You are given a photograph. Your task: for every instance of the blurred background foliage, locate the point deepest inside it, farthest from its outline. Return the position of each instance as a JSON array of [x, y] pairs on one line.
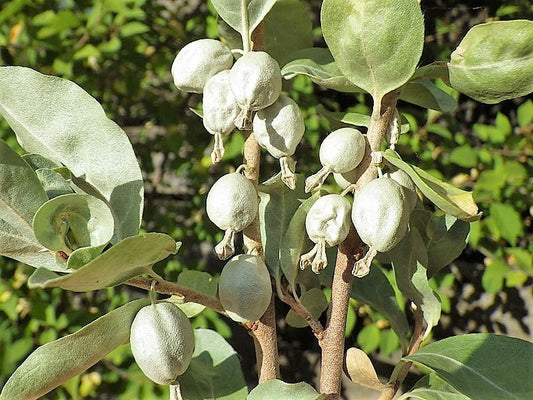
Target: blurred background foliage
[[120, 51]]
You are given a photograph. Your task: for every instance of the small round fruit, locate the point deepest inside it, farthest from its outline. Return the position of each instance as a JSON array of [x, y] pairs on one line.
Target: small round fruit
[[197, 62], [255, 80], [232, 202], [162, 342], [380, 213], [244, 288], [279, 127], [342, 150], [328, 219]]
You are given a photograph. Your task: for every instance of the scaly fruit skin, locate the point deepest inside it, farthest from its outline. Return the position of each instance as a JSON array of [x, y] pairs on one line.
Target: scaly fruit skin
[[279, 127], [342, 150], [255, 80], [162, 342], [328, 219], [380, 213], [219, 105], [244, 288], [232, 202], [197, 62]]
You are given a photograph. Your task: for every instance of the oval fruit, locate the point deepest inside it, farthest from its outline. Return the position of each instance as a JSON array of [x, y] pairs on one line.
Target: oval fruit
[[380, 213], [162, 342], [232, 202], [244, 288], [342, 150]]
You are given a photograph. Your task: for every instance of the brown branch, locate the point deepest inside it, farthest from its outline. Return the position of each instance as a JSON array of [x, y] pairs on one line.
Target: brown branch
[[348, 253], [332, 343], [188, 294]]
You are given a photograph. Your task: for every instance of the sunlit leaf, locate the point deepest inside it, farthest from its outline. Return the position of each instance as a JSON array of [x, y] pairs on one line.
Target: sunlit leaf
[[130, 257], [448, 198], [494, 61], [56, 362], [431, 387], [377, 45], [57, 119], [482, 365]]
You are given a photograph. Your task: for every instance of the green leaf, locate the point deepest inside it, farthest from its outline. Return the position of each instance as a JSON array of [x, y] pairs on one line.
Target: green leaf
[[37, 161], [17, 208], [350, 118], [243, 15], [315, 302], [133, 28], [446, 245], [284, 391], [524, 114], [276, 209], [56, 362], [293, 241], [464, 156], [318, 64], [505, 222], [431, 387], [448, 198], [494, 61], [435, 70], [288, 29], [375, 290], [425, 93], [215, 371], [368, 338], [494, 275], [71, 221], [130, 257], [53, 183], [409, 259], [377, 45], [522, 258], [482, 365], [200, 281], [59, 120]]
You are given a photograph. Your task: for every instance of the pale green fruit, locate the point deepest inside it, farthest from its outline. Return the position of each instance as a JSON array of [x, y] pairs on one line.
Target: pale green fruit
[[328, 219], [380, 213], [342, 150], [232, 206], [407, 183], [255, 81], [244, 288], [219, 111], [162, 342], [347, 178], [279, 127], [232, 202], [197, 62]]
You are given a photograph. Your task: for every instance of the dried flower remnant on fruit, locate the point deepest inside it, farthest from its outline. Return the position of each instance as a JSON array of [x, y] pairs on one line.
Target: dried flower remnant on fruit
[[279, 128], [232, 206], [255, 81], [219, 111], [327, 224], [197, 62], [380, 214], [341, 151], [244, 288], [162, 342]]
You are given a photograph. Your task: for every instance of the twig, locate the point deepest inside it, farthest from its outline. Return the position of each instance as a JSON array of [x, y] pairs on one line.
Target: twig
[[188, 294], [299, 308]]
